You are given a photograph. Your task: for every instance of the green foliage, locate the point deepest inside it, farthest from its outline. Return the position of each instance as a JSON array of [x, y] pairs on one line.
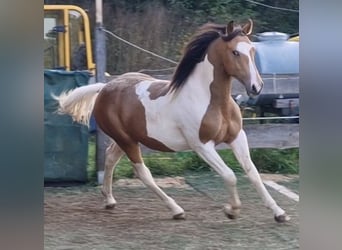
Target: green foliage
[[91, 168], [276, 161], [164, 26], [164, 164], [177, 164], [229, 158]]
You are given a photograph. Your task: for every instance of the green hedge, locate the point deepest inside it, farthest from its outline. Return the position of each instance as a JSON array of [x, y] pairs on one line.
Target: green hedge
[[176, 164]]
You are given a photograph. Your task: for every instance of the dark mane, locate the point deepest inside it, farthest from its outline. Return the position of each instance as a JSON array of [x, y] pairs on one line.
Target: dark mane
[[196, 49]]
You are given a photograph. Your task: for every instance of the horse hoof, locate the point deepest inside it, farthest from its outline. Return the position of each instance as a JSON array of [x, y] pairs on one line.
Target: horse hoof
[[282, 218], [231, 213], [110, 206], [231, 216], [180, 216]]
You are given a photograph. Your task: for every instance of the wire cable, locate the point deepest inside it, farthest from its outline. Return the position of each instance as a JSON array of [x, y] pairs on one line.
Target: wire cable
[[156, 70], [270, 118], [137, 47], [272, 7]]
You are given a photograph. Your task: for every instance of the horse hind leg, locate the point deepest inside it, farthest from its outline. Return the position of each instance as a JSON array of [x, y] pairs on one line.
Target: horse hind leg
[[241, 151], [112, 157], [144, 174]]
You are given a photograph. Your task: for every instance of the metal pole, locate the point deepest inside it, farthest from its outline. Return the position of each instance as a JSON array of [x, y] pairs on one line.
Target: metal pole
[[100, 56]]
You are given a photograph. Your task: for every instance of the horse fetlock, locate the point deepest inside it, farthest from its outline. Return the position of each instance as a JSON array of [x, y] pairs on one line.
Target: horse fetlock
[[106, 193], [277, 211], [110, 201], [177, 211]]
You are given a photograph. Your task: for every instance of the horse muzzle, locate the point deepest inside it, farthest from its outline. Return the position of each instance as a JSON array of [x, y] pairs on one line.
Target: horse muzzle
[[255, 89]]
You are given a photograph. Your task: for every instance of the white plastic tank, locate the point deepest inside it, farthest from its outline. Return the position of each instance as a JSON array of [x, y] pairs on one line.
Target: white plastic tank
[[275, 54]]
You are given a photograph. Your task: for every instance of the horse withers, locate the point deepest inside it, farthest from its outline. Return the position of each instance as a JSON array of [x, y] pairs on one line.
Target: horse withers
[[194, 111]]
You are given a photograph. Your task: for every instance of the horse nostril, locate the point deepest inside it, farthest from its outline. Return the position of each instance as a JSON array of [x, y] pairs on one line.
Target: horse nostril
[[254, 89]]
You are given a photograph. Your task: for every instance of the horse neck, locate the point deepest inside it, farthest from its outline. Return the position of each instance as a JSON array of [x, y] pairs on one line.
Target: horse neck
[[202, 75], [198, 83], [214, 79], [207, 82], [220, 89]]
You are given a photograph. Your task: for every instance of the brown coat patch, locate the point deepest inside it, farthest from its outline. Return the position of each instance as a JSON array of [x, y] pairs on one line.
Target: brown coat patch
[[120, 114], [158, 89]]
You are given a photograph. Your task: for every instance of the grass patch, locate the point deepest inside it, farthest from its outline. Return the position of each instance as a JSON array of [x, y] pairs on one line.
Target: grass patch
[[176, 164], [91, 167], [164, 164], [276, 161]]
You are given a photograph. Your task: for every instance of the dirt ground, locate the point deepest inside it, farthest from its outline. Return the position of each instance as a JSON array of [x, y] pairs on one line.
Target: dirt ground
[[75, 217]]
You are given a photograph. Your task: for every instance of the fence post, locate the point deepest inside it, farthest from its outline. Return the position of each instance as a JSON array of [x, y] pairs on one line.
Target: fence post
[[100, 57]]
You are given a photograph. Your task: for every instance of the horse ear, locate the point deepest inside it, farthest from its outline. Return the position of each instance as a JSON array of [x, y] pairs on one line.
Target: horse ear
[[248, 27], [230, 27]]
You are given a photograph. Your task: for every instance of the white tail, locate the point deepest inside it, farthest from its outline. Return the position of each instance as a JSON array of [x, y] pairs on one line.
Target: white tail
[[79, 102]]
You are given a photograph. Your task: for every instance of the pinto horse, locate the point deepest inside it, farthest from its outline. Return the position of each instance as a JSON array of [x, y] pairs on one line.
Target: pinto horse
[[194, 111]]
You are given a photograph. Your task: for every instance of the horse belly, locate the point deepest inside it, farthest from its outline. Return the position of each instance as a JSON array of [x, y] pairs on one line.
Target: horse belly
[[167, 133]]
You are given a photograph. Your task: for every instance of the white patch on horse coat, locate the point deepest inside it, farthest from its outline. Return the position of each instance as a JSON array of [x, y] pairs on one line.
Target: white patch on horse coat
[[245, 48], [141, 89], [175, 120]]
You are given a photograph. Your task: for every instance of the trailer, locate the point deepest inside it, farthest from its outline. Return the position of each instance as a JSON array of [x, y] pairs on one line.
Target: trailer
[[277, 60]]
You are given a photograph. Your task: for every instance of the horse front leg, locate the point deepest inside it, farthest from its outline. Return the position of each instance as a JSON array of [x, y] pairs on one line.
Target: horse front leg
[[208, 153], [112, 157], [241, 151]]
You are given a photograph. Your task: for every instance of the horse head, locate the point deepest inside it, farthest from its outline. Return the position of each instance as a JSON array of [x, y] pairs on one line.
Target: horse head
[[237, 56]]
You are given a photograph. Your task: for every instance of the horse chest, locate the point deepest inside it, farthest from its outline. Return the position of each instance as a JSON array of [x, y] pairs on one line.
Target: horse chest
[[220, 123]]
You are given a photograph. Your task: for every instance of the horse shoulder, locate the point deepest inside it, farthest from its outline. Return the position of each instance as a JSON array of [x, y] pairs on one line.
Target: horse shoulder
[[234, 121]]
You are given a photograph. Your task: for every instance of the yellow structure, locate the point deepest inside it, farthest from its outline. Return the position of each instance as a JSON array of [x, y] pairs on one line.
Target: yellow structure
[[67, 40], [294, 39]]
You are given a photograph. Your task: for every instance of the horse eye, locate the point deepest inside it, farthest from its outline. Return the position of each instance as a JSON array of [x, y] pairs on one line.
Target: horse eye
[[236, 53]]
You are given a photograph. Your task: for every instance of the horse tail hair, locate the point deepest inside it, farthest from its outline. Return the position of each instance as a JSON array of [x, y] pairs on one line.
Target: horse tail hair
[[79, 102]]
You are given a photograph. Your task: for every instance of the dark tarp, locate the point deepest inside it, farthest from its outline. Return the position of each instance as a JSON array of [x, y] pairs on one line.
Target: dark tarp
[[65, 141]]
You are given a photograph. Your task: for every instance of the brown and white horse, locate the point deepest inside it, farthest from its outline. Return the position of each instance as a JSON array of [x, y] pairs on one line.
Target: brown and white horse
[[195, 111]]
